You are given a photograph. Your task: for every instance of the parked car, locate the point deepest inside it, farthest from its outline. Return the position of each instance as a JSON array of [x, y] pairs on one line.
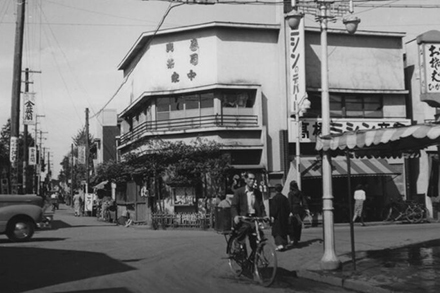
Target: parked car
[[19, 215]]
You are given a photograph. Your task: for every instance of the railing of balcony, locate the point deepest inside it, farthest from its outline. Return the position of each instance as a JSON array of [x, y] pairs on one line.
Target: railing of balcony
[[234, 121]]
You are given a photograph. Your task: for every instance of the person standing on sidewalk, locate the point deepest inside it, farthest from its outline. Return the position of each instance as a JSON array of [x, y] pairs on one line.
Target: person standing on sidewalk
[[359, 197], [298, 211], [279, 214]]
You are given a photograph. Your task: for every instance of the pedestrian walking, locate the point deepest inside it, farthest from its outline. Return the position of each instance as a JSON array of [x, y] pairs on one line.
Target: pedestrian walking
[[77, 204], [298, 211], [359, 197], [279, 214]]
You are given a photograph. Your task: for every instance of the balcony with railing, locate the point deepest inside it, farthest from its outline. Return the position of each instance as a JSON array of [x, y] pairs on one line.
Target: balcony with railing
[[200, 122]]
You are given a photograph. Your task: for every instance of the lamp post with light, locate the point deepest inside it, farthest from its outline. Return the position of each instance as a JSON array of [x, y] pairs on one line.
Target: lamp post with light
[[324, 12], [300, 108]]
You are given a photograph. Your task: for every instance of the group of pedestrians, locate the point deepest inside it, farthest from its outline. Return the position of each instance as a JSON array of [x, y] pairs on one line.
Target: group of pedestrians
[[287, 215]]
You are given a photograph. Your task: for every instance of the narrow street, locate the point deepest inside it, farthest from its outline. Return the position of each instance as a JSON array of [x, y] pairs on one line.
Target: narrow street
[[85, 255]]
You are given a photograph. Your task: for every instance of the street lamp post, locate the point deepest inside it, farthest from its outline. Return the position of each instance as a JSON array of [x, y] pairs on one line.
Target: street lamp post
[[300, 108], [323, 10]]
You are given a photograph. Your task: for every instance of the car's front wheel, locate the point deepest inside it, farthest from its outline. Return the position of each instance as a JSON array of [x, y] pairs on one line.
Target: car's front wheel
[[20, 230]]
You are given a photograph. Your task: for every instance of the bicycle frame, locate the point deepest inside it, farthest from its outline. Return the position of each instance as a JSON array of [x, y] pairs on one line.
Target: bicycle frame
[[261, 262]]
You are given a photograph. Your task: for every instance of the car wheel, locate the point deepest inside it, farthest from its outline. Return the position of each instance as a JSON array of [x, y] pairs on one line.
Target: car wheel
[[20, 230]]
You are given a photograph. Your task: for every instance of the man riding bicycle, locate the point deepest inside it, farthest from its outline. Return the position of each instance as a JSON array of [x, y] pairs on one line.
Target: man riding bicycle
[[247, 201]]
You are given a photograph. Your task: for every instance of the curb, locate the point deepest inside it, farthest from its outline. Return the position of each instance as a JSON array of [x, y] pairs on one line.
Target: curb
[[345, 283]]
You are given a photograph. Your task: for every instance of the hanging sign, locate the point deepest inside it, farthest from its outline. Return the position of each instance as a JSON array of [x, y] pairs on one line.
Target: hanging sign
[[32, 156], [81, 154], [430, 68], [13, 149], [29, 117], [297, 73]]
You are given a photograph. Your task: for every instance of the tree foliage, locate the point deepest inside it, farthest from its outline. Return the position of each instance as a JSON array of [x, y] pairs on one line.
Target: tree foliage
[[177, 163]]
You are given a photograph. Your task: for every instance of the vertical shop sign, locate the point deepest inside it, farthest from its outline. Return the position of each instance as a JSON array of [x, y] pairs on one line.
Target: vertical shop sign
[[297, 82], [430, 68], [81, 154], [13, 149], [32, 156], [29, 115]]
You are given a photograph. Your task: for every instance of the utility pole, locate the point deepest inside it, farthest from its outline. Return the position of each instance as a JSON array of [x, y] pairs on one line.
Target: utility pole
[[71, 174], [15, 98], [25, 132], [36, 188], [87, 150]]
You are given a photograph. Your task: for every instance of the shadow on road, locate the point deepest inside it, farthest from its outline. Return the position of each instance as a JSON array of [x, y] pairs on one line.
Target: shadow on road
[[29, 268], [305, 244], [58, 224], [106, 290]]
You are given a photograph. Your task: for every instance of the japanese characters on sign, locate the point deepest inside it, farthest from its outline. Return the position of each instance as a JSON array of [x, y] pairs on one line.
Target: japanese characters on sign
[[13, 149], [32, 156], [297, 81], [29, 115], [193, 60], [430, 68], [311, 128]]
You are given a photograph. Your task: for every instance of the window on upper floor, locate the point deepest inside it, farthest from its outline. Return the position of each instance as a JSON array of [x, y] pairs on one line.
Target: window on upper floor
[[348, 105], [237, 102], [181, 106]]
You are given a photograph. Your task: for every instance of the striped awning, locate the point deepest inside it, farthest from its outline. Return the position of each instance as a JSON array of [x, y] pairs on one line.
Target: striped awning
[[311, 168], [382, 143]]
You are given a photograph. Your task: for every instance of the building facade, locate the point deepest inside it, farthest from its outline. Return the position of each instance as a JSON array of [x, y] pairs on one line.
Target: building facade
[[423, 79]]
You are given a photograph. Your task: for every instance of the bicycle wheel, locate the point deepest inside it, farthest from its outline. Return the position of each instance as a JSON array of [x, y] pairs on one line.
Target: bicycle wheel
[[265, 264], [237, 256], [414, 214]]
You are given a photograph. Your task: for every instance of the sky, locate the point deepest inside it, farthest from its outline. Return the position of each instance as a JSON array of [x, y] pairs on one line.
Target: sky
[[78, 44]]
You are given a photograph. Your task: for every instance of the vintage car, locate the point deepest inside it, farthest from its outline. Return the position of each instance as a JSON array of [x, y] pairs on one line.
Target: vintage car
[[19, 215]]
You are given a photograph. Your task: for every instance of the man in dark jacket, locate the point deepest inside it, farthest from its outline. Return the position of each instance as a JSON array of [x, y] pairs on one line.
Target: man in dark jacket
[[298, 211], [279, 213], [247, 201]]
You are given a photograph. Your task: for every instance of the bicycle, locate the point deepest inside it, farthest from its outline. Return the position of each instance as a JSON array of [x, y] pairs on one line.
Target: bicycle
[[404, 210], [261, 263]]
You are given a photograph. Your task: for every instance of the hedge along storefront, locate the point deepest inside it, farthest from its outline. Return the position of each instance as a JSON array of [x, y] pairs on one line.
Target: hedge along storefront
[[376, 174], [409, 142]]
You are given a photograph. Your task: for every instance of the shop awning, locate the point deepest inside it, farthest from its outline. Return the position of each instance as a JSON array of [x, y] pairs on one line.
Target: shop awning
[[101, 185], [382, 143], [311, 168]]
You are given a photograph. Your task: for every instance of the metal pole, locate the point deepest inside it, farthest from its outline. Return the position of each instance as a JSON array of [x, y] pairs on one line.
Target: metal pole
[[329, 260], [298, 147], [350, 208]]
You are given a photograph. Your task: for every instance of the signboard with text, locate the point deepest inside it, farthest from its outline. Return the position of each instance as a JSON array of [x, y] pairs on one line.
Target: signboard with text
[[29, 114], [32, 156], [430, 68], [311, 128], [13, 149]]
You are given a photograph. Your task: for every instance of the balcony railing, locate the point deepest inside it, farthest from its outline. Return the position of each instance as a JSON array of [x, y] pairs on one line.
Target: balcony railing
[[233, 121]]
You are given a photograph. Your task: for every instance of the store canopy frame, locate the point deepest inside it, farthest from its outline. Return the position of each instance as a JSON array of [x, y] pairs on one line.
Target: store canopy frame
[[378, 143]]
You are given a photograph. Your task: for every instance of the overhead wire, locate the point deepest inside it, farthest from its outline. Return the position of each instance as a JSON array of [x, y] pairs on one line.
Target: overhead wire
[[171, 6]]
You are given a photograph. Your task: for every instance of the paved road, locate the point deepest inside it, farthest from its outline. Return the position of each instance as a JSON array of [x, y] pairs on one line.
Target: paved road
[[84, 255]]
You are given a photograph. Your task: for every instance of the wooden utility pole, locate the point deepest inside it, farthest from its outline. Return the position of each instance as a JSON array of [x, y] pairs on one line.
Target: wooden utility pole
[[71, 174], [25, 132], [87, 150], [15, 98]]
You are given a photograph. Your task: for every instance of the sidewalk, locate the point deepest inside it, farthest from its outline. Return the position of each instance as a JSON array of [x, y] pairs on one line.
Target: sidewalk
[[389, 257]]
